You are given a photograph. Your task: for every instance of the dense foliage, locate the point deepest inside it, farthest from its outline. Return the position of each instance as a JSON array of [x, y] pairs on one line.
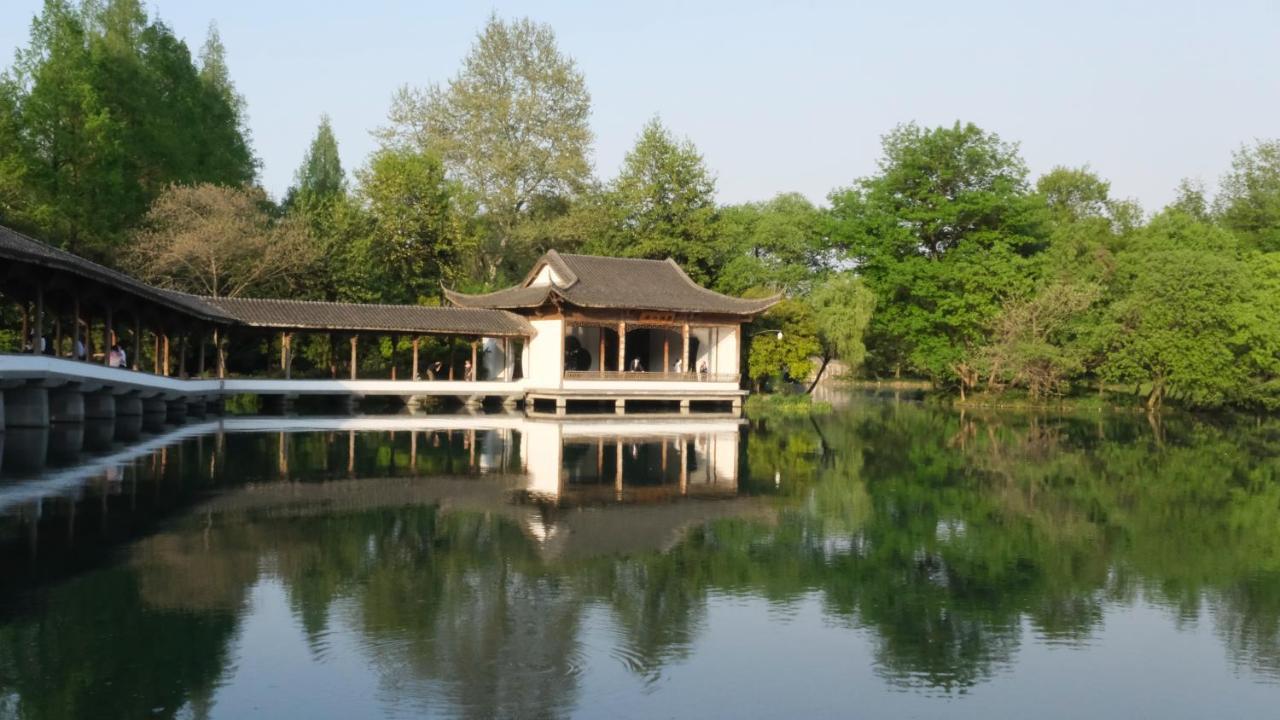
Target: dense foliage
[[948, 263]]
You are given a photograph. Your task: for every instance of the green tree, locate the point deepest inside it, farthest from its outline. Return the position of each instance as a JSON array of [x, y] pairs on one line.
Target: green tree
[[1248, 200], [782, 343], [663, 204], [781, 244], [512, 126], [415, 232], [1184, 299], [101, 112], [320, 177], [226, 153], [62, 154], [942, 234]]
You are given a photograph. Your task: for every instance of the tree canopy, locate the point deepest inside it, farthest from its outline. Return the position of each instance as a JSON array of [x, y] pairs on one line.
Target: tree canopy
[[512, 127], [949, 262], [101, 112]]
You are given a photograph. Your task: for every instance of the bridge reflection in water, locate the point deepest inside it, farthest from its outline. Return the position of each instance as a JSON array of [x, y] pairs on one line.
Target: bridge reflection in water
[[646, 475]]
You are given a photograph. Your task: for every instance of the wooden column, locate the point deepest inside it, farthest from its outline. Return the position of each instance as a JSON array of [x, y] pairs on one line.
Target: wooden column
[[684, 468], [137, 339], [221, 354], [416, 340], [75, 324], [475, 369], [684, 354], [155, 355], [351, 445], [666, 352], [26, 326], [413, 453], [200, 361], [600, 357], [395, 340], [38, 336], [622, 346], [165, 336], [617, 471], [286, 354], [182, 355], [107, 339], [354, 339]]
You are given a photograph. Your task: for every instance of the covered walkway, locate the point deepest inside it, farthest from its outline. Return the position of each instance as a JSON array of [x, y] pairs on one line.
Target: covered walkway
[[63, 316]]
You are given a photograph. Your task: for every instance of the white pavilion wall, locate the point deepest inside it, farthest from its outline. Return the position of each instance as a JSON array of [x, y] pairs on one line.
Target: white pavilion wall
[[546, 353]]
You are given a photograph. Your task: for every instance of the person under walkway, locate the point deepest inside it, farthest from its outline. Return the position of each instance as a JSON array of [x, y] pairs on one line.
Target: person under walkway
[[116, 358]]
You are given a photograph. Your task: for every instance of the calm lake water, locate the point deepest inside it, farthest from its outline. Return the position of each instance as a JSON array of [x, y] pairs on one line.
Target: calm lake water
[[886, 560]]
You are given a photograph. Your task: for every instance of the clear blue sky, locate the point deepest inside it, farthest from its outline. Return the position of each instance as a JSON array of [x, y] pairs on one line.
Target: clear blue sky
[[788, 96]]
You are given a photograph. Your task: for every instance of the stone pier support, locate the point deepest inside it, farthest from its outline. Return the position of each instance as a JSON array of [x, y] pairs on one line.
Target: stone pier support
[[620, 407], [562, 406], [26, 448], [684, 407], [66, 441], [99, 405], [99, 435], [154, 406], [128, 406], [509, 403], [26, 407], [66, 405], [175, 410], [128, 428]]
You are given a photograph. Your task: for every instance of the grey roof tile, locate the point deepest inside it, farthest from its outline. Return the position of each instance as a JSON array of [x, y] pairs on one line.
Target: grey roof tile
[[618, 283], [419, 319]]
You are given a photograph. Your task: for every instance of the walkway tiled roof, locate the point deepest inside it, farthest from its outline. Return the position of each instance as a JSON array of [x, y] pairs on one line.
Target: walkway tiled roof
[[419, 319], [617, 283], [14, 246], [283, 314]]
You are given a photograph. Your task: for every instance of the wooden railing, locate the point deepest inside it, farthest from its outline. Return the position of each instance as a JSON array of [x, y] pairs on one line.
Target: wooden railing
[[614, 375]]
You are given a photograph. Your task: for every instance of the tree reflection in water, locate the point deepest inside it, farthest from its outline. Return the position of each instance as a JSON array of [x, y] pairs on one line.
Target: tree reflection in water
[[946, 538]]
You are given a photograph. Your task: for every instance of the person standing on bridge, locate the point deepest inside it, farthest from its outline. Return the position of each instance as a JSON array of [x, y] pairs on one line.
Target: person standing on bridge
[[468, 372]]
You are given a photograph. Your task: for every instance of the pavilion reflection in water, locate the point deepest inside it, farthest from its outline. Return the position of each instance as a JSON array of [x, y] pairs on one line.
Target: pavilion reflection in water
[[601, 462], [533, 471]]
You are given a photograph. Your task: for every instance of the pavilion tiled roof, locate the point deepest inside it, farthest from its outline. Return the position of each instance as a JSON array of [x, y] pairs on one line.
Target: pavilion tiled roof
[[617, 283], [409, 319]]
